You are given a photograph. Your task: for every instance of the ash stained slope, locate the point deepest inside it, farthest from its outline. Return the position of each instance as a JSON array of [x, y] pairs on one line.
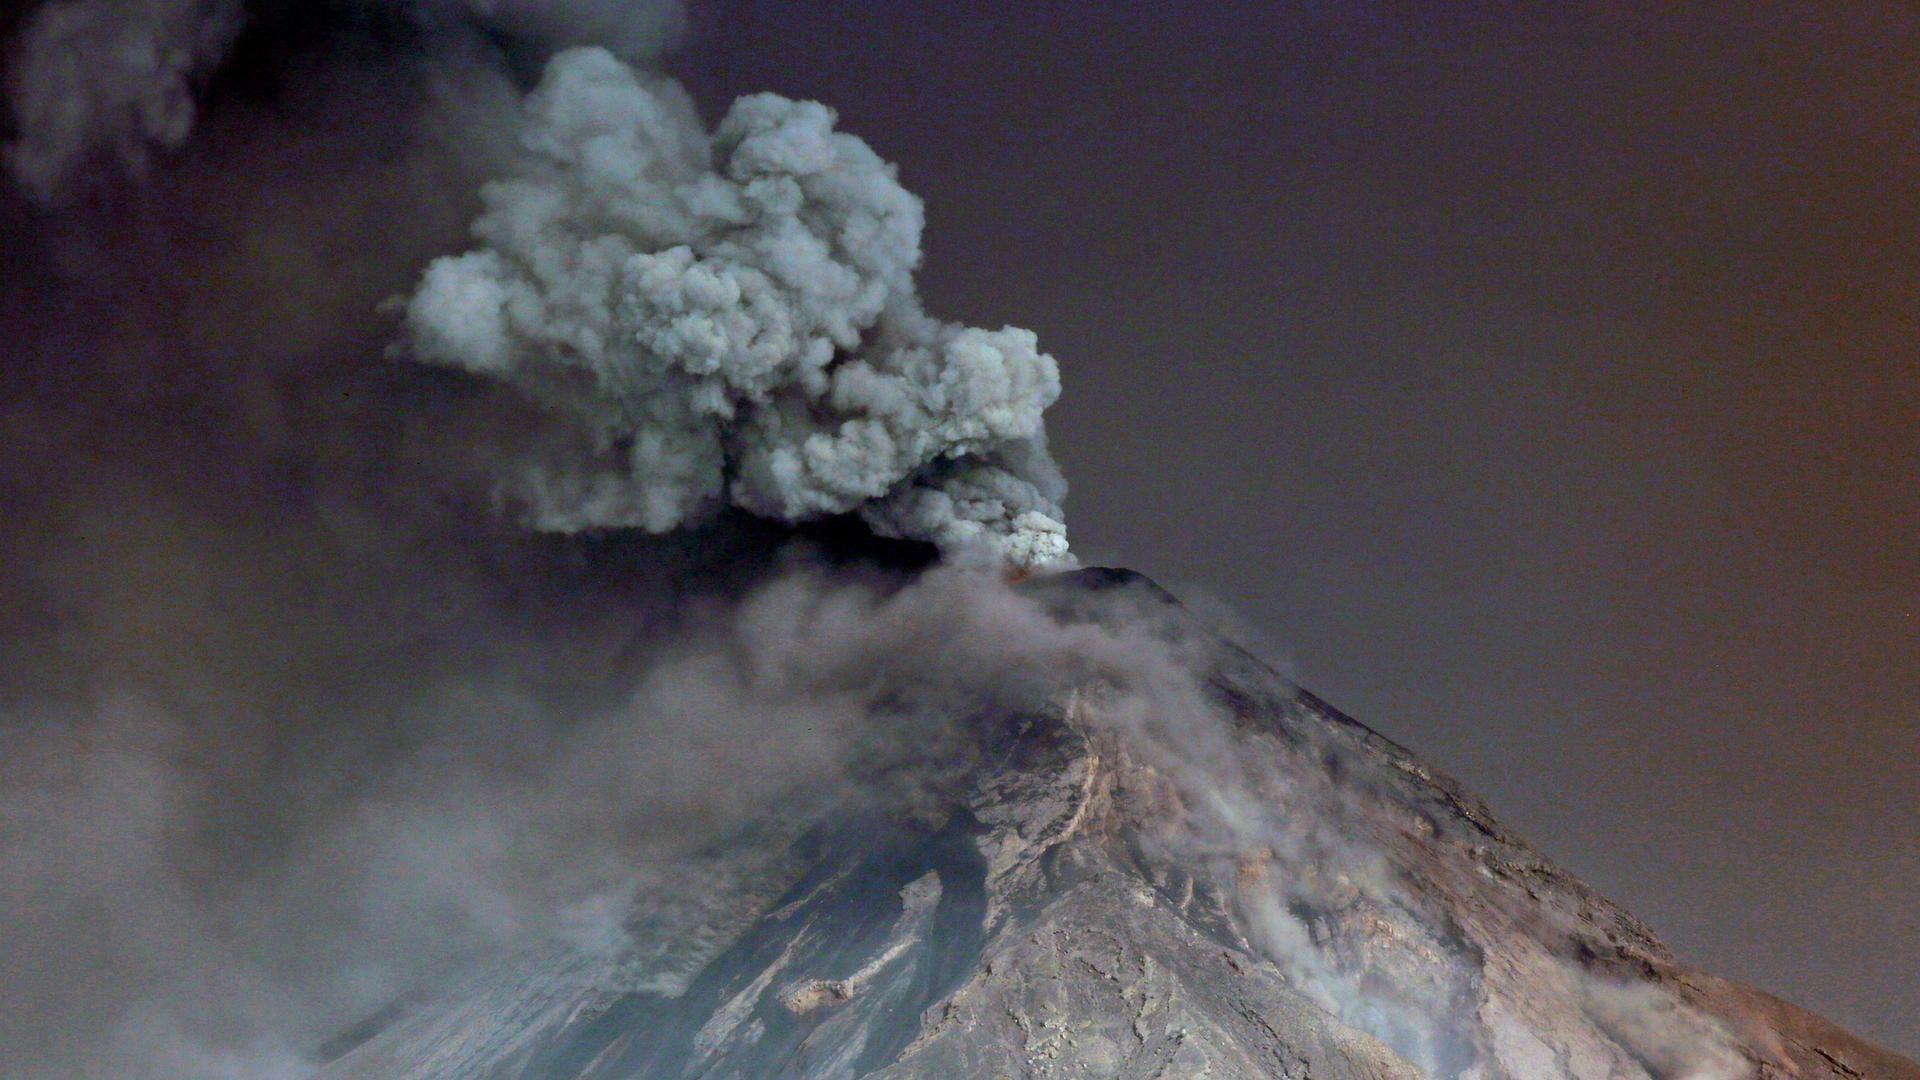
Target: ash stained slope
[[731, 320], [1152, 858]]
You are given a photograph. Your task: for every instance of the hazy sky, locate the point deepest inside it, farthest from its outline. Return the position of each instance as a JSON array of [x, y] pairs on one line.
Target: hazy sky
[[1546, 389]]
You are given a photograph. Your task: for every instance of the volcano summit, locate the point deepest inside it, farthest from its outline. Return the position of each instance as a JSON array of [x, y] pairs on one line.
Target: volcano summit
[[1178, 867]]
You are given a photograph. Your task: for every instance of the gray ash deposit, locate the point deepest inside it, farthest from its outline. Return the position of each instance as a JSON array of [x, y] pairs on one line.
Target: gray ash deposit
[[1099, 888]]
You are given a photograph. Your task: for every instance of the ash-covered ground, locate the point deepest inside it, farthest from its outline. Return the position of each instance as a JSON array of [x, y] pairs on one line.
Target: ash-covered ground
[[1156, 859]]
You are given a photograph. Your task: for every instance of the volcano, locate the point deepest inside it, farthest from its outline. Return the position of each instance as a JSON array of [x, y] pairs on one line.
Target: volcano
[[510, 577], [1057, 894]]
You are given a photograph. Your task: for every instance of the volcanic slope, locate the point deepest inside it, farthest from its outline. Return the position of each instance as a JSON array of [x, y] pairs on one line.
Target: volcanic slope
[[1103, 887]]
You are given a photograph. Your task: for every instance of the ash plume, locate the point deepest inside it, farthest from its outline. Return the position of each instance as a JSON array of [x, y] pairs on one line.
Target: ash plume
[[707, 320], [284, 710], [180, 905], [730, 320]]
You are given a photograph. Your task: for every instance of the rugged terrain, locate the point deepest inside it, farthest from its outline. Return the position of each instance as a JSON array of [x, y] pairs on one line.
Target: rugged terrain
[[1099, 886]]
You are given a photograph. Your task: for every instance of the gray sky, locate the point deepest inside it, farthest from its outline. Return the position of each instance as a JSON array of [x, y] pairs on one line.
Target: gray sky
[[1545, 389]]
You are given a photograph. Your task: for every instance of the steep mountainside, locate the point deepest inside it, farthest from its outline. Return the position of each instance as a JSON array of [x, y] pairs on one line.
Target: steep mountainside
[[1101, 889]]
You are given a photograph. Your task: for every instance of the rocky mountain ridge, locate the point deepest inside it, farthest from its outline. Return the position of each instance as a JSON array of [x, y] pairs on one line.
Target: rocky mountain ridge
[[1283, 893]]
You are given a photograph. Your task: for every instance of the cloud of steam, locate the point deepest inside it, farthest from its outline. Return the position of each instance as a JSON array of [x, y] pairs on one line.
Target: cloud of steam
[[731, 320]]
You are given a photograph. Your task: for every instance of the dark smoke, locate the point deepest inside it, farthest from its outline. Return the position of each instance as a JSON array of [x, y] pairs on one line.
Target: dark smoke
[[292, 719], [98, 88]]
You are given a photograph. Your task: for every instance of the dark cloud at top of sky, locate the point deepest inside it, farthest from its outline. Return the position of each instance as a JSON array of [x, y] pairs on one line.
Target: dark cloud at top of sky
[[97, 87]]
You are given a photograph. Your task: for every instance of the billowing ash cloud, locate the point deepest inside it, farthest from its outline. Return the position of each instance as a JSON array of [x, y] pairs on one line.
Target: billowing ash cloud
[[714, 320], [283, 715], [288, 731], [731, 320]]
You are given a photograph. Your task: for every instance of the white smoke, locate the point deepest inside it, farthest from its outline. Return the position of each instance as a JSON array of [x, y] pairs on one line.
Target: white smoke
[[142, 941], [1671, 1038], [731, 320]]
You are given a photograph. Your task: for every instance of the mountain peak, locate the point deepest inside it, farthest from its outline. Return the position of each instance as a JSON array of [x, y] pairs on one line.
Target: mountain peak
[[1187, 868]]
